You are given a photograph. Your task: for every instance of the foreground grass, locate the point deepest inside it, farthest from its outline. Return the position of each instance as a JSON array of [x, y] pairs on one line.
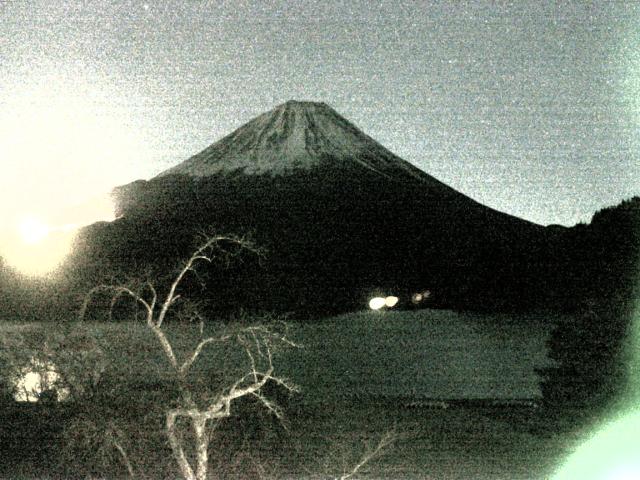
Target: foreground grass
[[322, 442], [359, 374]]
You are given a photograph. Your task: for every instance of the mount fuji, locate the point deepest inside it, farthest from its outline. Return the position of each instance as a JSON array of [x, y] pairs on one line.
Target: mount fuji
[[341, 218]]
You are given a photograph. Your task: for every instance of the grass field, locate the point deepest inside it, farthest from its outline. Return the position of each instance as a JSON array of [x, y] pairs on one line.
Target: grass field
[[462, 443], [361, 375], [421, 354]]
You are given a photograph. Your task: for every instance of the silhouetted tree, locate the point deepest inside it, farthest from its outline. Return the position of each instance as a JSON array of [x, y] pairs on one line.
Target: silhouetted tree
[[589, 348], [590, 357]]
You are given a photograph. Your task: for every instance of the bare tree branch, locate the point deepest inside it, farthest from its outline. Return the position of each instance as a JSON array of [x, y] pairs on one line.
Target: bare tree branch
[[166, 345], [176, 446], [184, 368], [236, 392], [247, 349], [118, 291], [200, 428], [387, 439], [198, 255], [257, 342], [154, 297], [125, 458], [271, 406]]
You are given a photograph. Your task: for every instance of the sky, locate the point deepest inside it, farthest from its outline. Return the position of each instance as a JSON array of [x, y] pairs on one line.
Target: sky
[[529, 107]]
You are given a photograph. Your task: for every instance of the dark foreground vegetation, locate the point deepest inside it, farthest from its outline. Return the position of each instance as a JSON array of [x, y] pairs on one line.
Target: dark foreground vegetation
[[322, 441], [327, 426]]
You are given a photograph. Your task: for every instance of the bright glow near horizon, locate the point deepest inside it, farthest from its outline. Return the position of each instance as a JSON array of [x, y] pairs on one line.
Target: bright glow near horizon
[[36, 247], [33, 230], [32, 253], [63, 145]]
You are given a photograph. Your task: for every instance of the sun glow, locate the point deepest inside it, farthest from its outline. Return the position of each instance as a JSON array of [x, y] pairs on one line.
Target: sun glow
[[62, 143], [33, 230], [37, 245], [35, 249]]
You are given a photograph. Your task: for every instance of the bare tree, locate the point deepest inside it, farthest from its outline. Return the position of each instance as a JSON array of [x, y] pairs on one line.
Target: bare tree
[[258, 343], [370, 454]]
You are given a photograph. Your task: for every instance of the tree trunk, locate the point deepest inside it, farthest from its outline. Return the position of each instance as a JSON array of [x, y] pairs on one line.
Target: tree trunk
[[176, 447], [202, 445]]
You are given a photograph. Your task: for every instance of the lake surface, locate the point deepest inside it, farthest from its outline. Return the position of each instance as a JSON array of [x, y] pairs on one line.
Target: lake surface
[[420, 354]]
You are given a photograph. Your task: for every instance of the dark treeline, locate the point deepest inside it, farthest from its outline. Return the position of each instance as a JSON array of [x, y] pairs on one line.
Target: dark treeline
[[329, 248], [598, 280]]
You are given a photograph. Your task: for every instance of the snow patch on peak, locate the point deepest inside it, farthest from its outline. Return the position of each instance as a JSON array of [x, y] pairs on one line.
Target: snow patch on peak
[[293, 136]]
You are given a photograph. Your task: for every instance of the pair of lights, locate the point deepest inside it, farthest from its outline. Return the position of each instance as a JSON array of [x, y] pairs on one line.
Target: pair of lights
[[376, 303]]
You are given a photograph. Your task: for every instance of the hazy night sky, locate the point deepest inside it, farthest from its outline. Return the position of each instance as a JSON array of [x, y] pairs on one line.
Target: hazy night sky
[[532, 108]]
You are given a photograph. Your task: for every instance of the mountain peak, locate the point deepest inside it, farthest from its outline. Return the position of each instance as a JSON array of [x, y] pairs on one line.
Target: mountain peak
[[302, 104], [296, 135]]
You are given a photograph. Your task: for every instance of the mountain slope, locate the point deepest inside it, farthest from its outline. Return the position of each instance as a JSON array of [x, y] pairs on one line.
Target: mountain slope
[[298, 138]]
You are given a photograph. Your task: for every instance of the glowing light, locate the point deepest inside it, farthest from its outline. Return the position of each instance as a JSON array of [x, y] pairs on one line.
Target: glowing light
[[41, 258], [62, 142], [36, 247], [377, 303], [612, 454], [37, 378], [391, 301], [419, 297], [33, 230]]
